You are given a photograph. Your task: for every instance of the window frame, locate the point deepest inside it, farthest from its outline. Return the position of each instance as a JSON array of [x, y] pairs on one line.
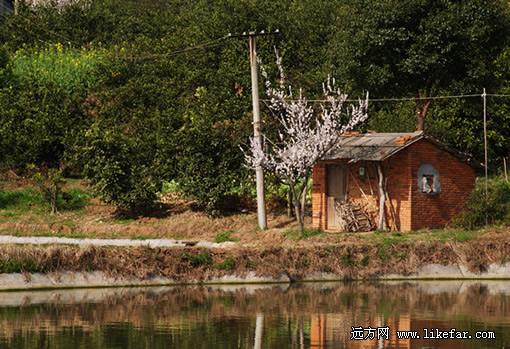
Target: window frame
[[427, 171]]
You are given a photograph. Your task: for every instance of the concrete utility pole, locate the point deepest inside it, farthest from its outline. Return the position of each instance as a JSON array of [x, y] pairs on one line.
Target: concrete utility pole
[[484, 97], [259, 172], [257, 124]]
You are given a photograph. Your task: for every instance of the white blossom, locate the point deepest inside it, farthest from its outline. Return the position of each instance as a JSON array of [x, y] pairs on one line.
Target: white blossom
[[305, 134]]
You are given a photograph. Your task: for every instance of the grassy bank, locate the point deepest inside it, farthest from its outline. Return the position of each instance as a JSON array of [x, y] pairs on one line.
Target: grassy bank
[[345, 260]]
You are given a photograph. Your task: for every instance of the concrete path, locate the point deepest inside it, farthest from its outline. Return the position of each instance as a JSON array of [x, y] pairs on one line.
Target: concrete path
[[7, 239]]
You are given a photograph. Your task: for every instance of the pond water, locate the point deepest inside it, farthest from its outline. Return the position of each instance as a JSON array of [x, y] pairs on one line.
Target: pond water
[[260, 316]]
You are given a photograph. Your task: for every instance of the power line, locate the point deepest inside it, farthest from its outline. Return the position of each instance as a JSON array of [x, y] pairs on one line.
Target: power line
[[397, 99], [496, 95], [204, 45]]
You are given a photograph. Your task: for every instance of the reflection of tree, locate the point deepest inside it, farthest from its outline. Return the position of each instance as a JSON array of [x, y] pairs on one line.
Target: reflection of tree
[[202, 317]]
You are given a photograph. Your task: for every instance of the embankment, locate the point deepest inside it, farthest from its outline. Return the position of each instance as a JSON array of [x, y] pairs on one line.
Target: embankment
[[27, 266]]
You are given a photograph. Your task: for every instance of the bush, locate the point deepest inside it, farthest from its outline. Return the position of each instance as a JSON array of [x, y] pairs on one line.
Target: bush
[[50, 184], [211, 166], [42, 103], [495, 207], [124, 170]]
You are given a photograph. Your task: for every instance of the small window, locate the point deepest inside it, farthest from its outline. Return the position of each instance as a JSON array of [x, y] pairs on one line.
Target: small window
[[428, 180], [427, 184]]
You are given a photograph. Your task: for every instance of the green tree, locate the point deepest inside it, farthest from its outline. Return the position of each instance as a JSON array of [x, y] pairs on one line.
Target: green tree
[[420, 48], [41, 103], [210, 167]]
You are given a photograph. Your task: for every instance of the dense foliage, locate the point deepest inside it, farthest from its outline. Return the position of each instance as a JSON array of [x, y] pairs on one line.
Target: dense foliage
[[108, 89], [482, 209]]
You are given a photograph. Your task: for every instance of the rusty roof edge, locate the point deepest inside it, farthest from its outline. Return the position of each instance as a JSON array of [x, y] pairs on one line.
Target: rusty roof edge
[[412, 141], [467, 158]]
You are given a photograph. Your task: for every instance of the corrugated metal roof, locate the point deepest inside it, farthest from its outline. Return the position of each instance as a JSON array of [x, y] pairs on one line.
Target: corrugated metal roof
[[371, 146]]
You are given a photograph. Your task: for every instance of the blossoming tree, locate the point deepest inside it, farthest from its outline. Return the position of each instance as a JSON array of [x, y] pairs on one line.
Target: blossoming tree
[[304, 136]]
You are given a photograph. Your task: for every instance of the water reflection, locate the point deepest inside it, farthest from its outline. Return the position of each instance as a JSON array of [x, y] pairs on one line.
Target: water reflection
[[301, 316]]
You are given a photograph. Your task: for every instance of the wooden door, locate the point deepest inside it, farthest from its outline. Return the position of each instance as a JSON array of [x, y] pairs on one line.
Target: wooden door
[[337, 188]]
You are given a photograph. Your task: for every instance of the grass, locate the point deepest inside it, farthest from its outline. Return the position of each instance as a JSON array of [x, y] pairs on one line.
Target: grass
[[22, 199], [224, 236], [228, 264], [124, 221], [18, 266], [392, 238], [14, 202], [200, 259], [296, 234], [458, 236]]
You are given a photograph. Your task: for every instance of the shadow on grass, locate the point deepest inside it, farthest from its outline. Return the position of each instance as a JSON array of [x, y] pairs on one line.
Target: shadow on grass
[[26, 199]]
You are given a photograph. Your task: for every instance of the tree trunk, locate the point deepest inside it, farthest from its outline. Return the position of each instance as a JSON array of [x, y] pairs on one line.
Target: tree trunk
[[297, 205], [422, 107], [303, 203], [381, 225], [297, 210], [53, 199], [290, 198]]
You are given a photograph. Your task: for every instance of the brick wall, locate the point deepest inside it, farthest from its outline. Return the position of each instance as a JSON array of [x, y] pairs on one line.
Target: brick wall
[[319, 196], [398, 186], [364, 191], [457, 181]]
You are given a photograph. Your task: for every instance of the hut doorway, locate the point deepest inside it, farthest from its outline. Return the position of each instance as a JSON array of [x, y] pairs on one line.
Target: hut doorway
[[336, 193]]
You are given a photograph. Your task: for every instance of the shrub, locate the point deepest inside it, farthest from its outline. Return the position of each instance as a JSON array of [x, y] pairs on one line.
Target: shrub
[[228, 264], [42, 103], [124, 170], [50, 184], [491, 209], [196, 260], [211, 166]]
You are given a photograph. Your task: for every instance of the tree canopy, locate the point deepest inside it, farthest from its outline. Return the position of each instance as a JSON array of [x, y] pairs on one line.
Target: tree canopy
[[132, 93], [421, 48]]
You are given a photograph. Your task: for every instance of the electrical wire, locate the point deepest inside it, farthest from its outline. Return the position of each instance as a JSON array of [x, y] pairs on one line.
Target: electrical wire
[[496, 95], [396, 99], [204, 45]]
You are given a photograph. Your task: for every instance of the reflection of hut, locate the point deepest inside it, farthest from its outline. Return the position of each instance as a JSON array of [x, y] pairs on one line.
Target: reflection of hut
[[404, 181], [328, 331]]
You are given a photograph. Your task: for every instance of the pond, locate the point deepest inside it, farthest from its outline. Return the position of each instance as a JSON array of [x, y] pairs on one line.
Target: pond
[[315, 315]]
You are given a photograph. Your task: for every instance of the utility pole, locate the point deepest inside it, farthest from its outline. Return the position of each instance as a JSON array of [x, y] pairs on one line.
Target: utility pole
[[484, 97], [257, 124]]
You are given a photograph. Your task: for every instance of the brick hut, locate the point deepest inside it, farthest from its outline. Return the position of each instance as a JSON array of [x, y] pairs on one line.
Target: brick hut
[[400, 181]]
